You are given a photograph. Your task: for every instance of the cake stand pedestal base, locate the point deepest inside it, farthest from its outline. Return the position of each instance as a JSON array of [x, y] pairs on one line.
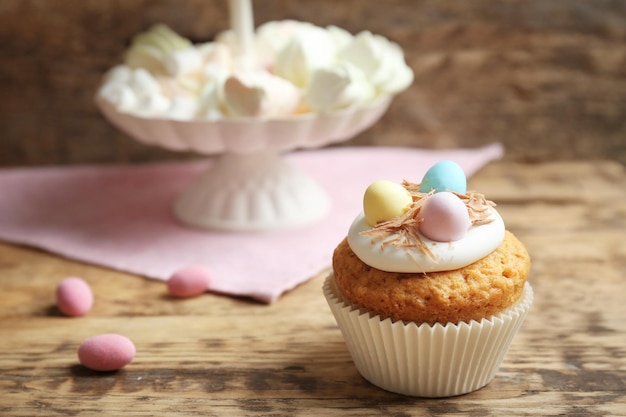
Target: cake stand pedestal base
[[251, 192]]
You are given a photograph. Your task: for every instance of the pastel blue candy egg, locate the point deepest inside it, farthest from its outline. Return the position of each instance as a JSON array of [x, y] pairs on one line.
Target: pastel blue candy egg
[[444, 176]]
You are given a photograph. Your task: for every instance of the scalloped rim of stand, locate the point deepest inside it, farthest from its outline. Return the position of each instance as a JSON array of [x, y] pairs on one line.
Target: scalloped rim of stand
[[308, 130]]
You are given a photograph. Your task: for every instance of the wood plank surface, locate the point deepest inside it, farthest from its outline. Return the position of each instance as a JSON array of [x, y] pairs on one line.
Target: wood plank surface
[[219, 356]]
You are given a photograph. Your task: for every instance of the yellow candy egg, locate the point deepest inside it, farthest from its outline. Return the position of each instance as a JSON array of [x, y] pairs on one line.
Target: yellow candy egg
[[384, 200]]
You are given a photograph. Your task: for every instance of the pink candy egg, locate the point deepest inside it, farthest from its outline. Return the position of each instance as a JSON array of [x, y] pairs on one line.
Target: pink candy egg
[[74, 297], [444, 218], [106, 352], [189, 282]]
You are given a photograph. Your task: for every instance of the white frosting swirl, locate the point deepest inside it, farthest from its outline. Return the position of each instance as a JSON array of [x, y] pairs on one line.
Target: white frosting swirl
[[477, 243]]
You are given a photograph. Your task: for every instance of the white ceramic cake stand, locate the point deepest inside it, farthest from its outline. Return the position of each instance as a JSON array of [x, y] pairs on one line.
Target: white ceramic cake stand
[[248, 186]]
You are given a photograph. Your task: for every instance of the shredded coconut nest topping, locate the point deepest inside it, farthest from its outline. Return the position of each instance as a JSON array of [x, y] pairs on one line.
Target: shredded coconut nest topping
[[403, 231]]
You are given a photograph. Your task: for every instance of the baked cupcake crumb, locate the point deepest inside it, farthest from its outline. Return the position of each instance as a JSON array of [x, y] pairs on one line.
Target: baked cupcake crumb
[[479, 290]]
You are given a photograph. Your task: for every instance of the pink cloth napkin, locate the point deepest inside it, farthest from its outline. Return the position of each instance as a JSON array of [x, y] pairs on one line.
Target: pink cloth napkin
[[120, 216]]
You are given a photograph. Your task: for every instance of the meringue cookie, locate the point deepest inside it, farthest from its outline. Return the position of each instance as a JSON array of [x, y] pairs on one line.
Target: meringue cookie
[[119, 73], [381, 60], [119, 95], [183, 61], [143, 83], [341, 37], [300, 67], [145, 56], [340, 86], [210, 97], [210, 103], [215, 73], [149, 49], [309, 49], [140, 94], [155, 105], [182, 108], [255, 94], [216, 54], [271, 38], [172, 87], [275, 34]]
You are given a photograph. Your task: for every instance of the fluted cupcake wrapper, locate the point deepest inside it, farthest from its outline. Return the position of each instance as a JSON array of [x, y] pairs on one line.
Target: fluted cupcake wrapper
[[423, 360]]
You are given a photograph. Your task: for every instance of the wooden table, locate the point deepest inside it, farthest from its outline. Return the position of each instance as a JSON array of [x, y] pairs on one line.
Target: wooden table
[[218, 356]]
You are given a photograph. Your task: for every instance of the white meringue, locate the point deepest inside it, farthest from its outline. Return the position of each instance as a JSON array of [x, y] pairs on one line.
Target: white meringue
[[216, 54], [210, 102], [309, 49], [145, 56], [210, 96], [143, 83], [215, 73], [381, 60], [340, 37], [152, 105], [258, 94], [119, 73], [137, 92], [271, 38], [296, 67], [340, 86], [183, 61], [172, 87], [149, 49], [119, 95], [182, 108]]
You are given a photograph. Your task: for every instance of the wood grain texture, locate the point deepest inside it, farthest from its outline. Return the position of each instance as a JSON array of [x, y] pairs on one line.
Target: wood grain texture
[[219, 356], [545, 78]]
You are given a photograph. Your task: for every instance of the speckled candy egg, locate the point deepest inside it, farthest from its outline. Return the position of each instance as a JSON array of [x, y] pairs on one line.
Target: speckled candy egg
[[189, 282], [444, 218], [106, 352], [444, 176], [74, 297], [384, 200]]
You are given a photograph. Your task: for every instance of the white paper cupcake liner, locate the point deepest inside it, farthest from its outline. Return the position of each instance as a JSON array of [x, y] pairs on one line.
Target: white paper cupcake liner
[[422, 360]]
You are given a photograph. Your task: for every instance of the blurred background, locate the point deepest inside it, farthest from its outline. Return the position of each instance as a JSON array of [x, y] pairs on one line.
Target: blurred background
[[545, 78]]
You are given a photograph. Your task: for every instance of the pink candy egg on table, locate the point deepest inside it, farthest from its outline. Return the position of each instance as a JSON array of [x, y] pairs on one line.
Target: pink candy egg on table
[[444, 218], [106, 352], [189, 282], [74, 297]]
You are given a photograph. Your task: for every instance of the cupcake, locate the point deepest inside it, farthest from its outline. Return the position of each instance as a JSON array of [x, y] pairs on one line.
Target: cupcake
[[429, 288]]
